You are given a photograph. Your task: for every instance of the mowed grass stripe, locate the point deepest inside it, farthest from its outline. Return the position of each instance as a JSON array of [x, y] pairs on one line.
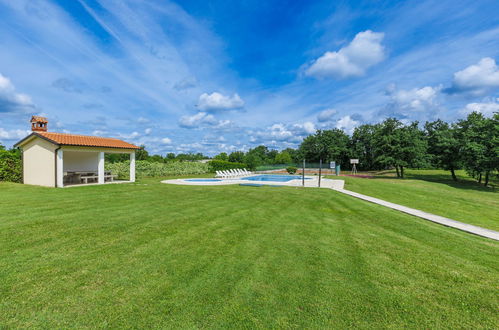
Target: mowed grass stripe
[[172, 256]]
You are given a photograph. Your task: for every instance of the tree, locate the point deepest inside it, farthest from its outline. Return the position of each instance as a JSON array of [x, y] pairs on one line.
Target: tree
[[283, 158], [236, 157], [142, 153], [170, 156], [295, 155], [479, 149], [326, 145], [252, 160], [362, 146], [270, 156], [412, 147], [399, 146], [222, 156], [444, 146]]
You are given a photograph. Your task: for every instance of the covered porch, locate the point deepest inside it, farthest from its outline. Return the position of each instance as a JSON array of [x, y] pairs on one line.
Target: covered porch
[[77, 166]]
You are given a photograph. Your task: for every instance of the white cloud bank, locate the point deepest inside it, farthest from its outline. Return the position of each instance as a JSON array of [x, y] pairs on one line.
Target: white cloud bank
[[353, 60], [347, 124], [10, 100], [416, 99], [486, 108], [216, 102], [477, 79]]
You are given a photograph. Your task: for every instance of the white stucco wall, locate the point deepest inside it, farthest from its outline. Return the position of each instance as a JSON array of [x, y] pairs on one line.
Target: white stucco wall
[[80, 161], [39, 163]]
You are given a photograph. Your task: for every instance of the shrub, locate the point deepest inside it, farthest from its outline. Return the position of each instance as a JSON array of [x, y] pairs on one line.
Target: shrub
[[291, 169], [156, 169], [222, 165], [10, 166]]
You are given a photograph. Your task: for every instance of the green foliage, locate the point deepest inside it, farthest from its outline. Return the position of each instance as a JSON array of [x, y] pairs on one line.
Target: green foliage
[[155, 169], [328, 145], [291, 169], [362, 147], [222, 165], [400, 146], [222, 156], [444, 146], [479, 136], [10, 165], [236, 157], [283, 158], [142, 153]]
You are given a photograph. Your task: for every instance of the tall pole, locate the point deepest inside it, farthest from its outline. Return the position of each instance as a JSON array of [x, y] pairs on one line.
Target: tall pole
[[303, 174], [320, 171]]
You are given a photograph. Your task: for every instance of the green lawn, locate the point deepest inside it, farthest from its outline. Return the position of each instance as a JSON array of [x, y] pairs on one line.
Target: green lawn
[[151, 255], [434, 191]]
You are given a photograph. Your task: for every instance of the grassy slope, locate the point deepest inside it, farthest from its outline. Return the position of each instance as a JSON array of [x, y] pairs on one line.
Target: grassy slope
[[161, 255], [434, 191]]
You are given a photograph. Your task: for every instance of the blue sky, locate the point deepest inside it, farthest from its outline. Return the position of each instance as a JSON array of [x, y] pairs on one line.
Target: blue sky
[[212, 76]]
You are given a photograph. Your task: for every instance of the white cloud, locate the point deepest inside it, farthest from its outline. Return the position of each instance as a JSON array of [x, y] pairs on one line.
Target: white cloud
[[16, 134], [416, 99], [326, 115], [347, 124], [10, 100], [166, 140], [304, 129], [216, 101], [204, 119], [143, 120], [414, 104], [487, 108], [99, 133], [353, 60], [282, 133], [197, 120], [477, 79], [148, 131]]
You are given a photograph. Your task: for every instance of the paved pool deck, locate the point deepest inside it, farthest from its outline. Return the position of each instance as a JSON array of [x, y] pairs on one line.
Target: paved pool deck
[[310, 182]]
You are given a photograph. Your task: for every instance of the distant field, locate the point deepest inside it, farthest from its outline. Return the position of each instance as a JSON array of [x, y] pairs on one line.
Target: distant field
[[150, 255], [434, 191]]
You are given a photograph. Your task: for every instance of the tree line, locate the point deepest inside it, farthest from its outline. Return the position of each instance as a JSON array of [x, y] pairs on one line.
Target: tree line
[[471, 144]]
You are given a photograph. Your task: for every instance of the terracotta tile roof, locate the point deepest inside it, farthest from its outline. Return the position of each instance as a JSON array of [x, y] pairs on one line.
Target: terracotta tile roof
[[39, 119], [86, 141]]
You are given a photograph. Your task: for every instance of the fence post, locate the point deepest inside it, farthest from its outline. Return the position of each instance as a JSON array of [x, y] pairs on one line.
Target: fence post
[[320, 171], [303, 174]]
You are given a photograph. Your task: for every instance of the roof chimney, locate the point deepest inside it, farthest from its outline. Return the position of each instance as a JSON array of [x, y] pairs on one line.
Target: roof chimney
[[39, 124]]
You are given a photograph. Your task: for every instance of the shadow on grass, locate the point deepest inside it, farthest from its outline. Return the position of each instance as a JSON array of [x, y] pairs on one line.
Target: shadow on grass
[[464, 182]]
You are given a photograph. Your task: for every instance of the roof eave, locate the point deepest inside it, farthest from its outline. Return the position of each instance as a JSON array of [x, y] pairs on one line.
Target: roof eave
[[20, 143]]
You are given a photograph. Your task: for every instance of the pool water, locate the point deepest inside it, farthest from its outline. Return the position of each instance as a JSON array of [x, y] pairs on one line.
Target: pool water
[[274, 178], [203, 180]]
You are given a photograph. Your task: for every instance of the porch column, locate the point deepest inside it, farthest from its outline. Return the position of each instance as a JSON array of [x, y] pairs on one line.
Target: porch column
[[101, 168], [60, 169], [132, 167]]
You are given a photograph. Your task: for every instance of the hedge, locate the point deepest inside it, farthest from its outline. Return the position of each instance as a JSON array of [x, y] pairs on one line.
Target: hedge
[[10, 167], [155, 169], [222, 165]]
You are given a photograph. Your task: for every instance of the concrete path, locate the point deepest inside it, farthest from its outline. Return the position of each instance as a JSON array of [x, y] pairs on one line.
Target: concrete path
[[427, 216]]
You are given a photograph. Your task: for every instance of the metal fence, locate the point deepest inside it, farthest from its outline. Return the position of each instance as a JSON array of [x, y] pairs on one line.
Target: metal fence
[[297, 165]]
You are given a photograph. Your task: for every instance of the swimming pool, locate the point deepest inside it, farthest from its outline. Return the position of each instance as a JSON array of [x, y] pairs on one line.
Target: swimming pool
[[274, 178], [202, 180]]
